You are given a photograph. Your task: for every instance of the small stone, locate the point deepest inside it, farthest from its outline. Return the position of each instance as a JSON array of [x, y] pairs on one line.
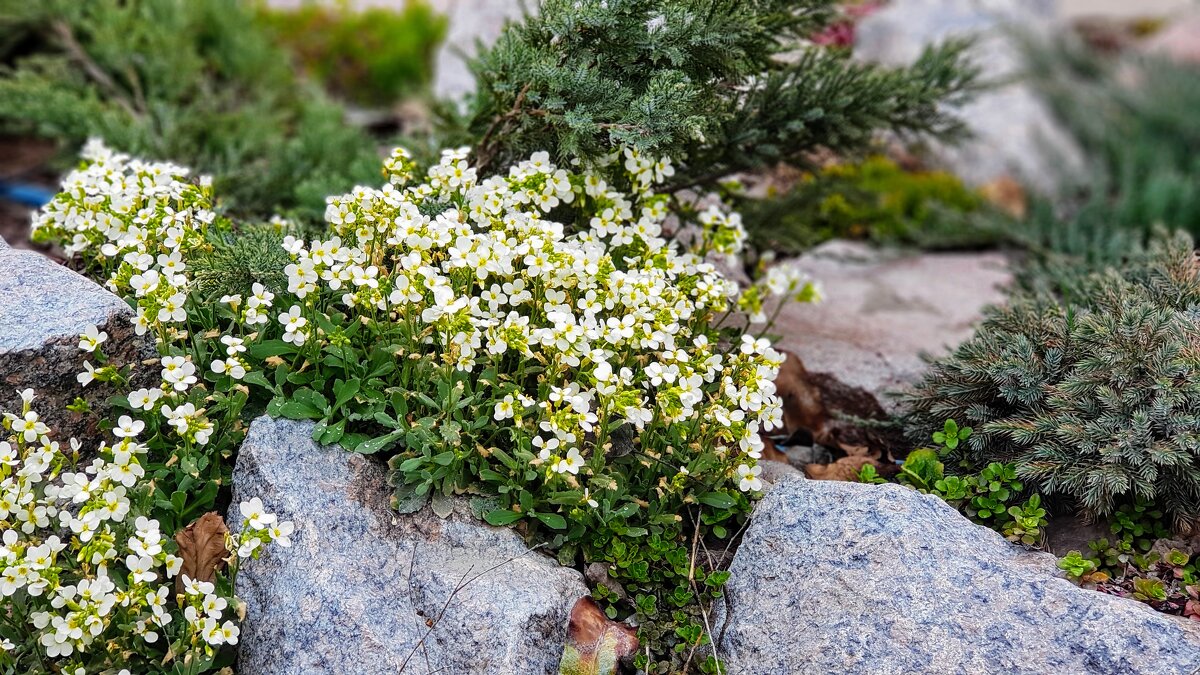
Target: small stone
[[44, 307], [360, 586], [838, 577]]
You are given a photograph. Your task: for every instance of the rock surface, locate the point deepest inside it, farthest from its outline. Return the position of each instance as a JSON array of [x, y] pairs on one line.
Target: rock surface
[[881, 311], [43, 309], [1014, 132], [838, 577], [470, 20], [354, 591]]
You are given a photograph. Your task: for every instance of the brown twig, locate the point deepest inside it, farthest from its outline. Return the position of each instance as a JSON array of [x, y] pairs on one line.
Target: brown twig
[[76, 51], [462, 583], [484, 153]]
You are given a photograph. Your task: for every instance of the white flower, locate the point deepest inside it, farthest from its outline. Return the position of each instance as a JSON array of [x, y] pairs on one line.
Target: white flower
[[281, 533], [144, 399], [88, 375], [29, 427], [178, 372], [254, 513], [293, 325], [91, 338], [569, 464], [506, 408], [750, 482], [128, 427], [233, 367]]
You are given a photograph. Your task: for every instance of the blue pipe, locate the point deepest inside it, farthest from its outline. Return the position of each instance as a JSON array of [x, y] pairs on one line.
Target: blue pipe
[[27, 195]]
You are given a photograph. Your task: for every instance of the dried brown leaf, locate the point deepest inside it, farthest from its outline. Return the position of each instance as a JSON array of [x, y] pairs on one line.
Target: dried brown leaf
[[803, 407], [595, 643], [846, 468], [202, 547]]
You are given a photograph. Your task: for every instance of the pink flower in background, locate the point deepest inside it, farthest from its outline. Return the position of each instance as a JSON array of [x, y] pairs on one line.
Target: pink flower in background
[[841, 34]]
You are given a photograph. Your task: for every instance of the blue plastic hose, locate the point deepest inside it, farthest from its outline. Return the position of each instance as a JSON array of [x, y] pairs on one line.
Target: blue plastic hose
[[27, 195]]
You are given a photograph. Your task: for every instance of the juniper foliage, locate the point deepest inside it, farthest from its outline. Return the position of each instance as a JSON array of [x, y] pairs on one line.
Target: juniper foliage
[[1096, 401], [197, 82], [1134, 118], [721, 86]]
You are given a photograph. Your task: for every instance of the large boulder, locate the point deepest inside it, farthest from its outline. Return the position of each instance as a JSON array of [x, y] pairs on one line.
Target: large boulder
[[361, 585], [471, 22], [882, 311], [1013, 132], [44, 307], [838, 577]]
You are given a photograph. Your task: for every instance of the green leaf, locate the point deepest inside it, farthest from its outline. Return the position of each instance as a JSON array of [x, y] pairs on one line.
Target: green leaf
[[334, 433], [268, 348], [411, 464], [344, 391], [258, 379], [502, 517], [373, 445], [717, 500], [295, 410], [552, 520], [444, 458]]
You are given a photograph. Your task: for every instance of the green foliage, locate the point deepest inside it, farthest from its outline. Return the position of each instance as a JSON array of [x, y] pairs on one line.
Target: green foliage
[[872, 199], [699, 82], [196, 81], [1134, 118], [991, 497], [951, 435], [371, 56], [605, 415], [1094, 401], [1075, 565]]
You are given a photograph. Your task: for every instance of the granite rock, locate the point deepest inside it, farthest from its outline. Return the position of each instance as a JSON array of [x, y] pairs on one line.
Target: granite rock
[[44, 307], [1013, 132], [882, 311], [354, 592], [836, 577]]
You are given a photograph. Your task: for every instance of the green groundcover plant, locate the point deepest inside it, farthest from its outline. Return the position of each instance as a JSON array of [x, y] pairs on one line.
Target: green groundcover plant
[[541, 340], [1094, 400], [196, 81], [91, 578], [372, 56]]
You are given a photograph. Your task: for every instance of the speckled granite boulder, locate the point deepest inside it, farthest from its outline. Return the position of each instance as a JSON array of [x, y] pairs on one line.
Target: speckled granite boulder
[[43, 309], [1013, 132], [355, 591], [849, 578]]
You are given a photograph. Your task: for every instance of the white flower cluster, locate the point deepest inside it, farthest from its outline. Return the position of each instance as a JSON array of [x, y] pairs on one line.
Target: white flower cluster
[[110, 579], [618, 313], [142, 221]]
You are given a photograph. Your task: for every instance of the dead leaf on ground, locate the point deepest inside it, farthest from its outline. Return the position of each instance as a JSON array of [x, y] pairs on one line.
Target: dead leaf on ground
[[202, 547], [1006, 194], [846, 468], [803, 407], [595, 643]]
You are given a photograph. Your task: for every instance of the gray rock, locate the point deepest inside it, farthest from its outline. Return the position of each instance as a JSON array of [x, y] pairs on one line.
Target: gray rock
[[470, 21], [882, 310], [43, 309], [354, 592], [849, 578], [1014, 132]]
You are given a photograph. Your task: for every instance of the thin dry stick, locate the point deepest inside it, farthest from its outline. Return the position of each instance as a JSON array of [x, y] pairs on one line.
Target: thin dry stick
[[424, 649], [462, 583], [63, 30]]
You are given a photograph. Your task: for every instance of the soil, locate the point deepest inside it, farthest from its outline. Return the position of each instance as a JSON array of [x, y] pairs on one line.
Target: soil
[[27, 161]]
